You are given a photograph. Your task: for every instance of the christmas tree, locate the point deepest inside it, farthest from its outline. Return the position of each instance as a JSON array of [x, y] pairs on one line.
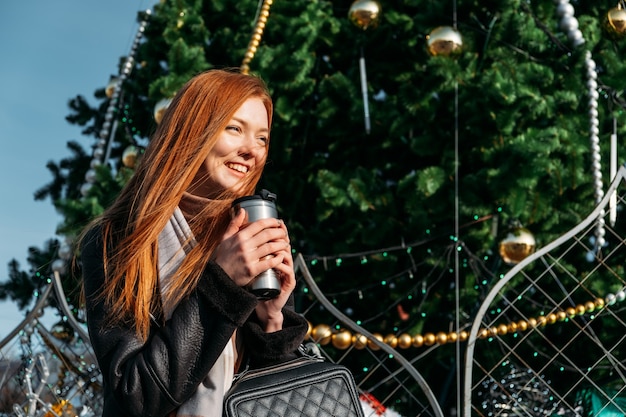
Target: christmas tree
[[409, 138]]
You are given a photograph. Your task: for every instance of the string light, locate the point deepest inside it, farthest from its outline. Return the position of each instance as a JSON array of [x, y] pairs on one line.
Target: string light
[[384, 252]]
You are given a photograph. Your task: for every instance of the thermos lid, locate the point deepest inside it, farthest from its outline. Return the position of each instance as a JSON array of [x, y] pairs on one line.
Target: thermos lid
[[261, 195]]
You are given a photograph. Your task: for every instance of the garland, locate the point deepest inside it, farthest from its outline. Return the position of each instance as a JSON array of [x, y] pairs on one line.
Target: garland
[[342, 339]]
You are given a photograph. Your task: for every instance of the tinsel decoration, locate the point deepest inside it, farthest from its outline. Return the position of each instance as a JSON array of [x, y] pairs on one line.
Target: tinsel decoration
[[517, 393], [34, 378], [569, 24], [613, 173], [64, 253], [257, 34], [342, 339], [364, 14], [101, 150], [594, 138]]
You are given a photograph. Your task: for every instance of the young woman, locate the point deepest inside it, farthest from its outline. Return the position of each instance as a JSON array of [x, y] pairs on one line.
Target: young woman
[[165, 267]]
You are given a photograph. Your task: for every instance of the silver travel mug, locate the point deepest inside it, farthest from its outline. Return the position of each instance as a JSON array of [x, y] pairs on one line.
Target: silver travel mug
[[262, 205]]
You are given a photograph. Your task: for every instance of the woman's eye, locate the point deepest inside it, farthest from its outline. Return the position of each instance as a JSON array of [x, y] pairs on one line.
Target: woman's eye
[[234, 128], [263, 139]]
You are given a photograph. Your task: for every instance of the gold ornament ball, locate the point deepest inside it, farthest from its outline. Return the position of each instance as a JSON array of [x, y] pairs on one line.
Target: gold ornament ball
[[130, 156], [463, 336], [615, 23], [62, 408], [418, 340], [365, 14], [441, 338], [62, 331], [599, 303], [453, 337], [159, 109], [110, 88], [404, 341], [373, 345], [391, 340], [444, 41], [359, 341], [429, 339], [342, 339], [321, 334], [517, 245], [522, 325]]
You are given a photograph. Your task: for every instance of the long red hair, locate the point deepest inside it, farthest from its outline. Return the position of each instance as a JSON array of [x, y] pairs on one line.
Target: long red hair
[[198, 113]]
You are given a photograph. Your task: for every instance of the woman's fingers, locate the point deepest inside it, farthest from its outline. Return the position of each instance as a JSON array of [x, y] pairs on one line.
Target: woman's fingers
[[235, 225], [265, 230], [253, 248], [263, 238]]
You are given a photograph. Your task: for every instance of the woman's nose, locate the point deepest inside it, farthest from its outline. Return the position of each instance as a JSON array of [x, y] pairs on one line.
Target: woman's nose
[[251, 147]]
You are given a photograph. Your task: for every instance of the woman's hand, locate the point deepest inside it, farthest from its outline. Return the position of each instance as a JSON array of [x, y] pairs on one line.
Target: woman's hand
[[247, 250], [269, 312]]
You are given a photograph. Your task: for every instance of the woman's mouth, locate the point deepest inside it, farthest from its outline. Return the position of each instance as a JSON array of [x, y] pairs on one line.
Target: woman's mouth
[[238, 167]]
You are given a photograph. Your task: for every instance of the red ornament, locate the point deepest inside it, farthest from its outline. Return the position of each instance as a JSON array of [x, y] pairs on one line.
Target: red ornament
[[373, 402], [404, 316]]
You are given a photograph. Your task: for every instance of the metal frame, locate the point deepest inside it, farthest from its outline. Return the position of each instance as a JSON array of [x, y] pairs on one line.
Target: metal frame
[[300, 265], [474, 332]]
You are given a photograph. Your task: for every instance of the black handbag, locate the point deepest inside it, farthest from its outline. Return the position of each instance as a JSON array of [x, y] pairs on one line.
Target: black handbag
[[306, 386]]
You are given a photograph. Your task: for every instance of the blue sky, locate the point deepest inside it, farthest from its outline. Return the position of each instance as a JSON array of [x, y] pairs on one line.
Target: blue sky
[[51, 52]]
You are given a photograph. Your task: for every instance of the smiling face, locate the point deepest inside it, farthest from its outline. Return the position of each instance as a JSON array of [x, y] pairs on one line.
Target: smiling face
[[241, 148]]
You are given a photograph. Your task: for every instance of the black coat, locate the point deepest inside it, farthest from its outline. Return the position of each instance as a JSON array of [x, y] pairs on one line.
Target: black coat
[[155, 377]]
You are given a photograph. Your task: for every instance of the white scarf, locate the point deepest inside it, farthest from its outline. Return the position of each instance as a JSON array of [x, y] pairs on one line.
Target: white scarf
[[175, 240]]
